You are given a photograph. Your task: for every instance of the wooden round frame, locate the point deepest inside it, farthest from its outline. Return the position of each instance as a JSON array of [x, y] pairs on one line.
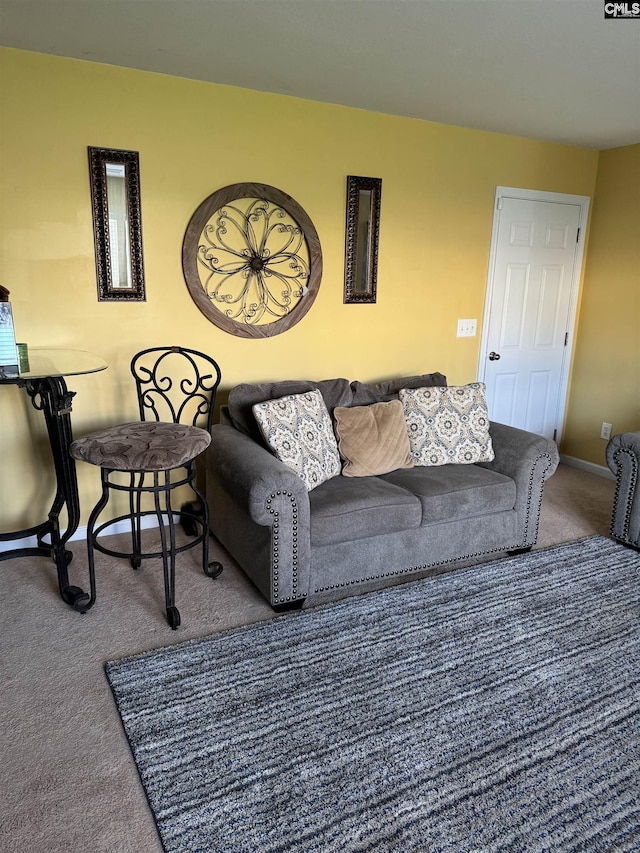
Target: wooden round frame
[[191, 247]]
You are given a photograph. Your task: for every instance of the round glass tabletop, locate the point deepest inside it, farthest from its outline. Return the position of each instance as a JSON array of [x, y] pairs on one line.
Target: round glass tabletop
[[61, 362]]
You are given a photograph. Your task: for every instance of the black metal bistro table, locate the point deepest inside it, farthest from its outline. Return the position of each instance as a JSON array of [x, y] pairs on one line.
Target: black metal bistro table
[[46, 386]]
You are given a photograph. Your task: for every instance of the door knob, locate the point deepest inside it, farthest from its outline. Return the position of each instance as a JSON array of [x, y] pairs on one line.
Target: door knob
[[494, 356]]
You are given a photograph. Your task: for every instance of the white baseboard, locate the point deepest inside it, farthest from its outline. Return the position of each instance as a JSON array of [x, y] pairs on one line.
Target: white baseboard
[[80, 534], [591, 467]]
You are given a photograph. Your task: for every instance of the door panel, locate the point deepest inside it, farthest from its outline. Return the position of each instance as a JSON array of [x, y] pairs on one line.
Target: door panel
[[535, 261]]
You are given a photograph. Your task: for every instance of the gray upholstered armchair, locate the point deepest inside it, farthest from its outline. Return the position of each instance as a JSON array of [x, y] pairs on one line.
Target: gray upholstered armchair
[[623, 458]]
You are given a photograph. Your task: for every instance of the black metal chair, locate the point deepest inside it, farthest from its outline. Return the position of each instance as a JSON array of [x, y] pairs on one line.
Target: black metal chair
[[151, 458]]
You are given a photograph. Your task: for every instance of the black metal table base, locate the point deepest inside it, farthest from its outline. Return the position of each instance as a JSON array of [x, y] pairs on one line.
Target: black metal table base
[[51, 396]]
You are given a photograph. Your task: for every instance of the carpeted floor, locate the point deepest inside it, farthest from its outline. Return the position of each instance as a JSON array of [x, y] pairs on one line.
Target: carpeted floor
[[67, 777], [496, 709]]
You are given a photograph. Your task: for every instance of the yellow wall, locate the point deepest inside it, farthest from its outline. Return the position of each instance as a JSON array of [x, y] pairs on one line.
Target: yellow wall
[[193, 138], [606, 374]]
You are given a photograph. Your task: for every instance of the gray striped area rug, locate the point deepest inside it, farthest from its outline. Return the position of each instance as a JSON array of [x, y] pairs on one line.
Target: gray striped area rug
[[490, 709]]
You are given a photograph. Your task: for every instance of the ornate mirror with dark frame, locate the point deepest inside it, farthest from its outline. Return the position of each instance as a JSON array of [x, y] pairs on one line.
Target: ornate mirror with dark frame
[[117, 224], [252, 260], [361, 239]]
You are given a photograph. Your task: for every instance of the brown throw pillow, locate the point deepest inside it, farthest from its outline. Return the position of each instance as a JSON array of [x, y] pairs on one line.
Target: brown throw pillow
[[372, 439]]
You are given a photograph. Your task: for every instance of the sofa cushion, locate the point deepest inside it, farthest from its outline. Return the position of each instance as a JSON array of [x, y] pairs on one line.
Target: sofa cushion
[[450, 492], [298, 429], [242, 398], [344, 509], [381, 392], [448, 425], [372, 439]]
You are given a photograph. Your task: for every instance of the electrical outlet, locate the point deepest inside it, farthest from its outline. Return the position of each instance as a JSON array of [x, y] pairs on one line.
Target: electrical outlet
[[605, 432], [467, 328]]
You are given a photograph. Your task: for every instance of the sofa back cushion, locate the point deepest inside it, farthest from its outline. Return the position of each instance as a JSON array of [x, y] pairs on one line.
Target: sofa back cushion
[[335, 392], [381, 392]]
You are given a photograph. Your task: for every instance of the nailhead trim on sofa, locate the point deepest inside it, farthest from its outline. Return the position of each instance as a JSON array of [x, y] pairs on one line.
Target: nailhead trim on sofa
[[275, 549], [629, 502]]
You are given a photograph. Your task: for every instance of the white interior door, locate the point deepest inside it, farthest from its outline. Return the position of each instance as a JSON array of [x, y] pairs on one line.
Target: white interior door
[[534, 273]]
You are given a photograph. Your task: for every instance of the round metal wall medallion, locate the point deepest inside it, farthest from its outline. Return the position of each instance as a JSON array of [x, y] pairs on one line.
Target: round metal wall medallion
[[251, 259]]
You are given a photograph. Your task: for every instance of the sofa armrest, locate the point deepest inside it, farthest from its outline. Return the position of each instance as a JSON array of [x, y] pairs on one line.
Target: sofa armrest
[[529, 460], [623, 458], [259, 510], [251, 475]]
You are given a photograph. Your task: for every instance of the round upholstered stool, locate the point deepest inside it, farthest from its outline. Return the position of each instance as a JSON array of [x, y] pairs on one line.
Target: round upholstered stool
[[148, 453], [151, 458], [142, 446]]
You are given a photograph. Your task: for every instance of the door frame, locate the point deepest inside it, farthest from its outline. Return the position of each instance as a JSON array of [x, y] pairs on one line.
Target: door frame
[[583, 202]]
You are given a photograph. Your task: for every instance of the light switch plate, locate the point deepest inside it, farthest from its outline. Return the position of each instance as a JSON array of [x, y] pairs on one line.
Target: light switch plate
[[467, 328]]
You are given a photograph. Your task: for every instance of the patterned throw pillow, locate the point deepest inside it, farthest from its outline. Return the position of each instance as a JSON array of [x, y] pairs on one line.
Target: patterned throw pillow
[[448, 425], [298, 430]]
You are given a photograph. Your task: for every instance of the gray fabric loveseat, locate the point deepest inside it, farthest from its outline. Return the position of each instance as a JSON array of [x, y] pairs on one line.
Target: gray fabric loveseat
[[321, 534]]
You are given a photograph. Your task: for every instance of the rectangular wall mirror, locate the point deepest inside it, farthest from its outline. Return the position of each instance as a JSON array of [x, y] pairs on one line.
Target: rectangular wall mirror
[[117, 224], [361, 240]]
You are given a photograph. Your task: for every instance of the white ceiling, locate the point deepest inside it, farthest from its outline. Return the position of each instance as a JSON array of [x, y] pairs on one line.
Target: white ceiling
[[546, 69]]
